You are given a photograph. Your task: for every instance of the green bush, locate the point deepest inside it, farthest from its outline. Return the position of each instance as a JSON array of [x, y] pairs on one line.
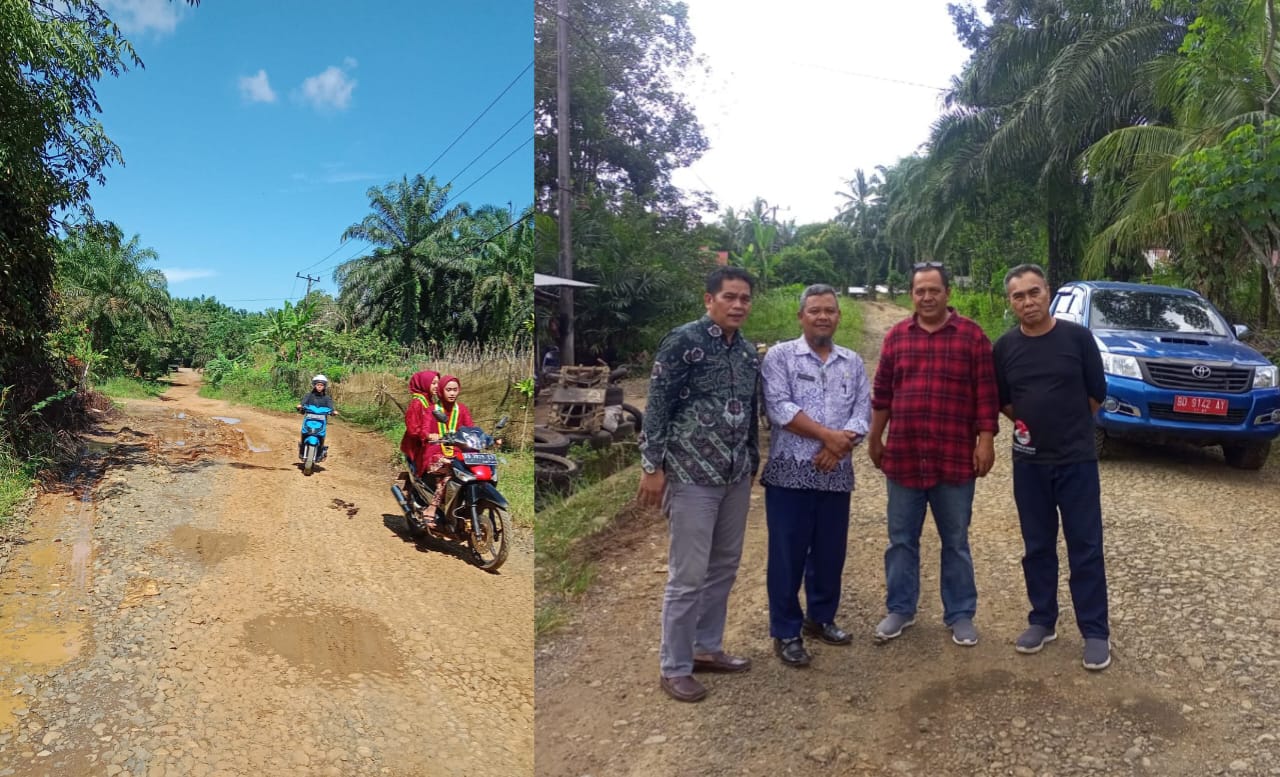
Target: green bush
[[774, 318]]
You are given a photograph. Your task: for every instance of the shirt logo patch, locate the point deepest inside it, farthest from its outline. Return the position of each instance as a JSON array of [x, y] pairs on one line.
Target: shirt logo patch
[[1021, 433]]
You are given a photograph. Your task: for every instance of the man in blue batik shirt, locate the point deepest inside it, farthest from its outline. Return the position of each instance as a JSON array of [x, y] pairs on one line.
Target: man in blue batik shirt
[[819, 403]]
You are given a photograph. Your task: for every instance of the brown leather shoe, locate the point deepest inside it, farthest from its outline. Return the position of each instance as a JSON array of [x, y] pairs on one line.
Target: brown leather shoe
[[720, 662], [684, 688]]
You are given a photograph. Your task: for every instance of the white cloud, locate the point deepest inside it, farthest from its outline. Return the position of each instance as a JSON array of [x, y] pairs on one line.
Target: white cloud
[[141, 16], [796, 101], [350, 63], [256, 88], [178, 275], [330, 90]]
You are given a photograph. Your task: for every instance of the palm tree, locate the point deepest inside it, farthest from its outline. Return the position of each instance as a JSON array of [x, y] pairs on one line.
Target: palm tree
[[1037, 94], [503, 291], [862, 192], [1224, 82], [105, 284], [405, 280]]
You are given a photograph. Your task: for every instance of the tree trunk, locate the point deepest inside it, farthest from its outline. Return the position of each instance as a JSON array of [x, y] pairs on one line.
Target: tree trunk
[[1264, 303]]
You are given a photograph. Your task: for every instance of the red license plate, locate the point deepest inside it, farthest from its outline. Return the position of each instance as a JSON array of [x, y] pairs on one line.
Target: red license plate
[[1200, 405]]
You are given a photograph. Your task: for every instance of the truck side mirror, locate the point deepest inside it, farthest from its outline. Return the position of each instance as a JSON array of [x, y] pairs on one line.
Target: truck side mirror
[[439, 414]]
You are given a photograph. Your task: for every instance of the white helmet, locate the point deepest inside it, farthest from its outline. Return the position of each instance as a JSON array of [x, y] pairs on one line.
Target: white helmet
[[320, 379]]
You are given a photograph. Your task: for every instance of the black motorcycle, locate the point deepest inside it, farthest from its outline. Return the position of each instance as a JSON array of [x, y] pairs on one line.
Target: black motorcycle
[[473, 510]]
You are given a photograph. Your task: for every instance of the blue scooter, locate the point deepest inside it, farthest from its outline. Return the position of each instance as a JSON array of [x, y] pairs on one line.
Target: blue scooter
[[311, 447]]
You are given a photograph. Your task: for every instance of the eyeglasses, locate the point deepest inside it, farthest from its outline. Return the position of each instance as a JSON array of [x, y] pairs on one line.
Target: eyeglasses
[[927, 266]]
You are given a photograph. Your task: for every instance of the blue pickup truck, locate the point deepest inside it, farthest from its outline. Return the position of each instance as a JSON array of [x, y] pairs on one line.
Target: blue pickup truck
[[1176, 370]]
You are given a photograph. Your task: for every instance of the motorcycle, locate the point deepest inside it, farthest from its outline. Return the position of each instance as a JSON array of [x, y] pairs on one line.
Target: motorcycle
[[311, 447], [473, 510]]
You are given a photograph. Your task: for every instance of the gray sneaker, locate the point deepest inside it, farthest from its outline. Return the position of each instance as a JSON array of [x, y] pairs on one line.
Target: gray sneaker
[[964, 633], [1034, 638], [892, 625], [1097, 654]]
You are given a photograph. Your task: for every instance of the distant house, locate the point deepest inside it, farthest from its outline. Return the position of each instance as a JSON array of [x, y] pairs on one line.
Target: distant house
[[722, 257], [1156, 257], [857, 291]]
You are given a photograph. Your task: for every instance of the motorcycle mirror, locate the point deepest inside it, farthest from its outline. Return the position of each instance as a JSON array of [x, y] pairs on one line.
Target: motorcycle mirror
[[501, 423], [439, 414]]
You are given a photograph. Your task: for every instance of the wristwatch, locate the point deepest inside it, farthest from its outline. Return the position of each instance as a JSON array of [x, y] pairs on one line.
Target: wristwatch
[[648, 468]]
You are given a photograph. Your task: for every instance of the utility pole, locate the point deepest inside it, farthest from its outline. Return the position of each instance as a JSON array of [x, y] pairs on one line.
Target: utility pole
[[564, 190], [309, 281]]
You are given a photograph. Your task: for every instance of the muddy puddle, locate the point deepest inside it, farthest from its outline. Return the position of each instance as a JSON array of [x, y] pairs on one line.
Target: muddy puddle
[[43, 597], [329, 644], [207, 547]]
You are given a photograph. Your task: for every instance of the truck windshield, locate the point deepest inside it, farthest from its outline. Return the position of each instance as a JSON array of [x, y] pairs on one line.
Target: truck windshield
[[1154, 311]]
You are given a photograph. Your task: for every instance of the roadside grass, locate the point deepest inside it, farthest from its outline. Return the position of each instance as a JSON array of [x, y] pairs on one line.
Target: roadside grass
[[563, 571], [773, 318], [121, 387], [16, 482]]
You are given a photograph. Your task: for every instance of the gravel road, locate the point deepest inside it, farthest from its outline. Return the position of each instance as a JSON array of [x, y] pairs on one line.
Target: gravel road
[[196, 606]]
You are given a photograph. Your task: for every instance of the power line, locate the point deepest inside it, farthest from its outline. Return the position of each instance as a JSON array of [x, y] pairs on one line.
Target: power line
[[870, 76], [481, 116], [491, 169], [491, 145], [453, 198], [446, 150]]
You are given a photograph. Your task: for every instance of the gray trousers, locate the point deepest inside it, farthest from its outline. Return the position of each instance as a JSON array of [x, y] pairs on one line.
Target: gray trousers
[[708, 524]]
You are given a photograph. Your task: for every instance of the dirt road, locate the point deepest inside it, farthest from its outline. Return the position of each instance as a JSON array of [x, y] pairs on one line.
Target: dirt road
[[196, 606], [1193, 690]]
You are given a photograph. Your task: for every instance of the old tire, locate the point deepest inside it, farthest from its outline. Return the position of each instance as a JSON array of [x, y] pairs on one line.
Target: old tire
[[547, 440], [637, 417], [612, 396], [308, 459], [1247, 455], [625, 430], [554, 471]]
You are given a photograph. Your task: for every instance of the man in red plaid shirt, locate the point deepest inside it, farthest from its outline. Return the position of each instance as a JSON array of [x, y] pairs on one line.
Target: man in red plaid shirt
[[935, 389]]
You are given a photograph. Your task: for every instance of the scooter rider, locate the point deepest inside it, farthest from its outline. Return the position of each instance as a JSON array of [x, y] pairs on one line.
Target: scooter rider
[[319, 397]]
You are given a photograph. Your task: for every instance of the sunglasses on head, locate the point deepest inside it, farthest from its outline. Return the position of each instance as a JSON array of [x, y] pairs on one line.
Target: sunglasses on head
[[927, 266]]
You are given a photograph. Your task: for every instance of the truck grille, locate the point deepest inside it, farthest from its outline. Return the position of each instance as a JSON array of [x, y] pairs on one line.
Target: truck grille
[[1177, 375], [1163, 412]]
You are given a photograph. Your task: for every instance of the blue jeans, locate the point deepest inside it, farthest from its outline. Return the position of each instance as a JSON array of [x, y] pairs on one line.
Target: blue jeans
[[952, 509]]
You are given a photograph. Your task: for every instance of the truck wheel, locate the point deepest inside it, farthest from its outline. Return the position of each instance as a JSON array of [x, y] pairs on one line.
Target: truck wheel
[[1247, 455], [1103, 445]]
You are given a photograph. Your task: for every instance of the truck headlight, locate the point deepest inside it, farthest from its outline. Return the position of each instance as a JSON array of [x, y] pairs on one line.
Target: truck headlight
[[1264, 377], [1124, 366]]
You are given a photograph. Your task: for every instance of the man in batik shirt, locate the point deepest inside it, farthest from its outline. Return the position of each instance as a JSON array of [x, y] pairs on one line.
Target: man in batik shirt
[[700, 454]]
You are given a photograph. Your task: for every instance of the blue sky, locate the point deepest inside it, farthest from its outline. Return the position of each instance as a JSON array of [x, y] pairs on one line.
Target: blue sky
[[256, 128]]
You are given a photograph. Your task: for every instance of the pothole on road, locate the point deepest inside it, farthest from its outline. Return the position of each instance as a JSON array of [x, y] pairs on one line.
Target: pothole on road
[[207, 547], [331, 644]]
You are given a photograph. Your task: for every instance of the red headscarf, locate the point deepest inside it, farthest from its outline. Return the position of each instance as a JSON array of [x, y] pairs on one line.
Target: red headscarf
[[420, 386], [444, 381]]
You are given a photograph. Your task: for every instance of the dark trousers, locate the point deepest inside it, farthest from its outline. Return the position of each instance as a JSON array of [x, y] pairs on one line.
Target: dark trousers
[[808, 532], [1041, 491]]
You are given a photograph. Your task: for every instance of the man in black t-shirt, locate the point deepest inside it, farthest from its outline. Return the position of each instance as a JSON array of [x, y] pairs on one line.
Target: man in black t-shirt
[[1051, 383]]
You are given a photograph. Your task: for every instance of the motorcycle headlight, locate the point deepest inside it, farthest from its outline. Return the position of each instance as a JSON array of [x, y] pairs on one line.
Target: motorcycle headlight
[[1264, 377], [1124, 366]]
